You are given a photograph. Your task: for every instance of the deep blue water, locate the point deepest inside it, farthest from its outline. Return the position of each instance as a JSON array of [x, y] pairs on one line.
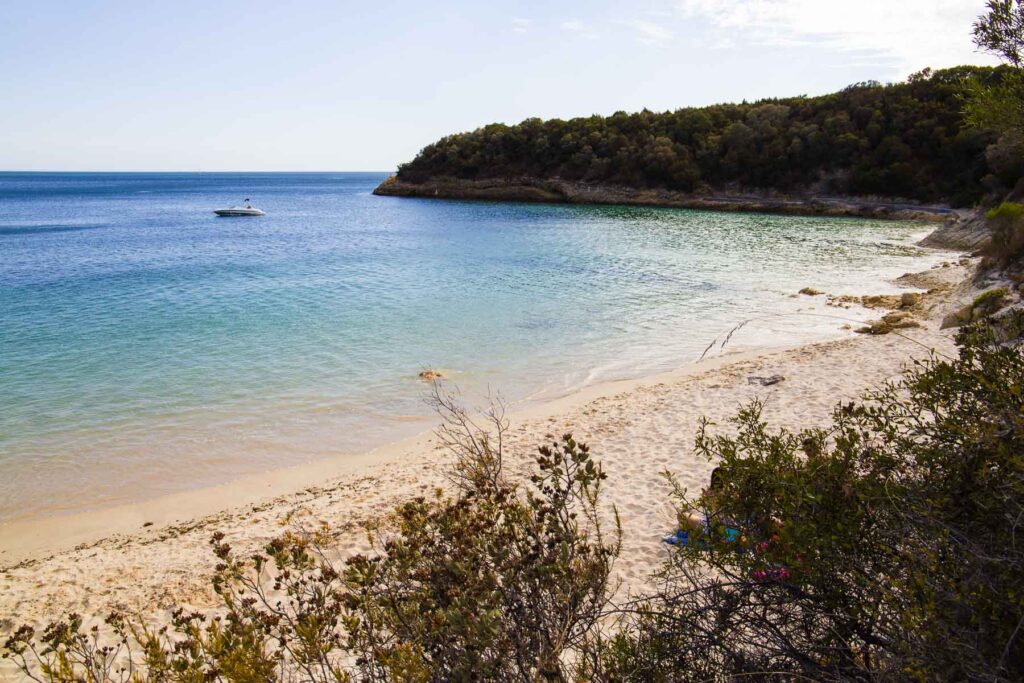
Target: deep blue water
[[142, 335]]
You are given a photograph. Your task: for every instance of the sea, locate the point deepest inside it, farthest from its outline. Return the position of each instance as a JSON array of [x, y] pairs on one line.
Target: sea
[[148, 346]]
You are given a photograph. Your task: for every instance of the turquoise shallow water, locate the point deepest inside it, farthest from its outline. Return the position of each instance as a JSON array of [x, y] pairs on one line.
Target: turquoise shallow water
[[148, 346]]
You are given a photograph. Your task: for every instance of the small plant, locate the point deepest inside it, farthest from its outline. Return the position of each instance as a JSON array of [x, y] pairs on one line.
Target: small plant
[[1007, 211], [1007, 243], [989, 302], [497, 582]]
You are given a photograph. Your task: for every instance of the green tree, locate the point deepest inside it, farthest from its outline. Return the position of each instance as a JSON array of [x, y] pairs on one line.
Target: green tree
[[1001, 31], [999, 104], [901, 140]]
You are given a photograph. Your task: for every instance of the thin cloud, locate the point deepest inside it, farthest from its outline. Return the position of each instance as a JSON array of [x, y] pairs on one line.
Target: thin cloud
[[908, 34], [579, 28], [650, 33], [520, 25]]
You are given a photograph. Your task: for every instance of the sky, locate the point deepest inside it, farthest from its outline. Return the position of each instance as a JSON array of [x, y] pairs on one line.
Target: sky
[[311, 85]]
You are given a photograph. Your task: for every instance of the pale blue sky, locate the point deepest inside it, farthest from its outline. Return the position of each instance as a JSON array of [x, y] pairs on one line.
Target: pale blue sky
[[338, 85]]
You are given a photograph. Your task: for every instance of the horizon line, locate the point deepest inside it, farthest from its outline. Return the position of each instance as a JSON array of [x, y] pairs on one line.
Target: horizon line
[[188, 171]]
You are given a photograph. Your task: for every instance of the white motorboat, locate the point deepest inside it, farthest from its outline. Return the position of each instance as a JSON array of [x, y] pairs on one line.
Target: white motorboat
[[246, 209]]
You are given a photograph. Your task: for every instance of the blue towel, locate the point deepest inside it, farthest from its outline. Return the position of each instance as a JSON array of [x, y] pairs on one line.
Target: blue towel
[[682, 537]]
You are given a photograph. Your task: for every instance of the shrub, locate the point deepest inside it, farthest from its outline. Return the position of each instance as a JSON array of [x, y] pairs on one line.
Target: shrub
[[489, 586], [498, 582], [887, 546], [1007, 243], [989, 302], [1006, 211]]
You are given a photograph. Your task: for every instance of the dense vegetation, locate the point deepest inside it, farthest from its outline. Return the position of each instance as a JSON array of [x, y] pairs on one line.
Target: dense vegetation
[[886, 546], [905, 140]]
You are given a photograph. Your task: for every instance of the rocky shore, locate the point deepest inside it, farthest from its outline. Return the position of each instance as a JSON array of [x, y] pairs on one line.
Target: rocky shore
[[557, 191], [970, 233]]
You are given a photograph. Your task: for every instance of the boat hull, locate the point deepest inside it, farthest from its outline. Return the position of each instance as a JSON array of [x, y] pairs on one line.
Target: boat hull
[[238, 212]]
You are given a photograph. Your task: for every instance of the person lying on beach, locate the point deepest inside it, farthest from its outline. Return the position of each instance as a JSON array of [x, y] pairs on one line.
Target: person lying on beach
[[696, 527], [700, 522]]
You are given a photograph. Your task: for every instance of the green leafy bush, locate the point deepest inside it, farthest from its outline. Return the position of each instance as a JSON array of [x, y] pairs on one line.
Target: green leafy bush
[[887, 546], [1007, 211], [990, 301], [1007, 244]]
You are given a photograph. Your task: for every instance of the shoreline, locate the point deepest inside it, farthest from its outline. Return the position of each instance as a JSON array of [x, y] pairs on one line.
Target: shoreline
[[71, 526], [557, 191], [30, 537], [24, 540], [134, 498], [150, 556]]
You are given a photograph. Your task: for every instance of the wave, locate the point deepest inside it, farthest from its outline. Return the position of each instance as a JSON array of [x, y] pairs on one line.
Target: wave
[[43, 229]]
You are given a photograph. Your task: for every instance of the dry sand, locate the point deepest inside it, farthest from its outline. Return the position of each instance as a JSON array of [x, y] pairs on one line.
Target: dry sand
[[150, 557]]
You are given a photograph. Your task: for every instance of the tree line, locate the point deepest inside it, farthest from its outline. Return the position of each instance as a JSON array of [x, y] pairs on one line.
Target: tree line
[[905, 140]]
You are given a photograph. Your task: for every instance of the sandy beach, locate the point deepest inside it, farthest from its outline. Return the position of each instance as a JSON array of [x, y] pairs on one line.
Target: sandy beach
[[151, 557]]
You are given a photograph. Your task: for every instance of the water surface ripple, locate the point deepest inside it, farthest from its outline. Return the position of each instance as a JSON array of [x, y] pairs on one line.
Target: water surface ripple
[[148, 346]]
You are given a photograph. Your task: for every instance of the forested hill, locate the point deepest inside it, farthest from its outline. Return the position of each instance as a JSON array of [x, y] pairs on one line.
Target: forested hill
[[905, 140]]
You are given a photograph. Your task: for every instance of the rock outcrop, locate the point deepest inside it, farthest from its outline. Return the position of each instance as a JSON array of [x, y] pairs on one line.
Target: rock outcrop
[[567, 192], [963, 233]]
